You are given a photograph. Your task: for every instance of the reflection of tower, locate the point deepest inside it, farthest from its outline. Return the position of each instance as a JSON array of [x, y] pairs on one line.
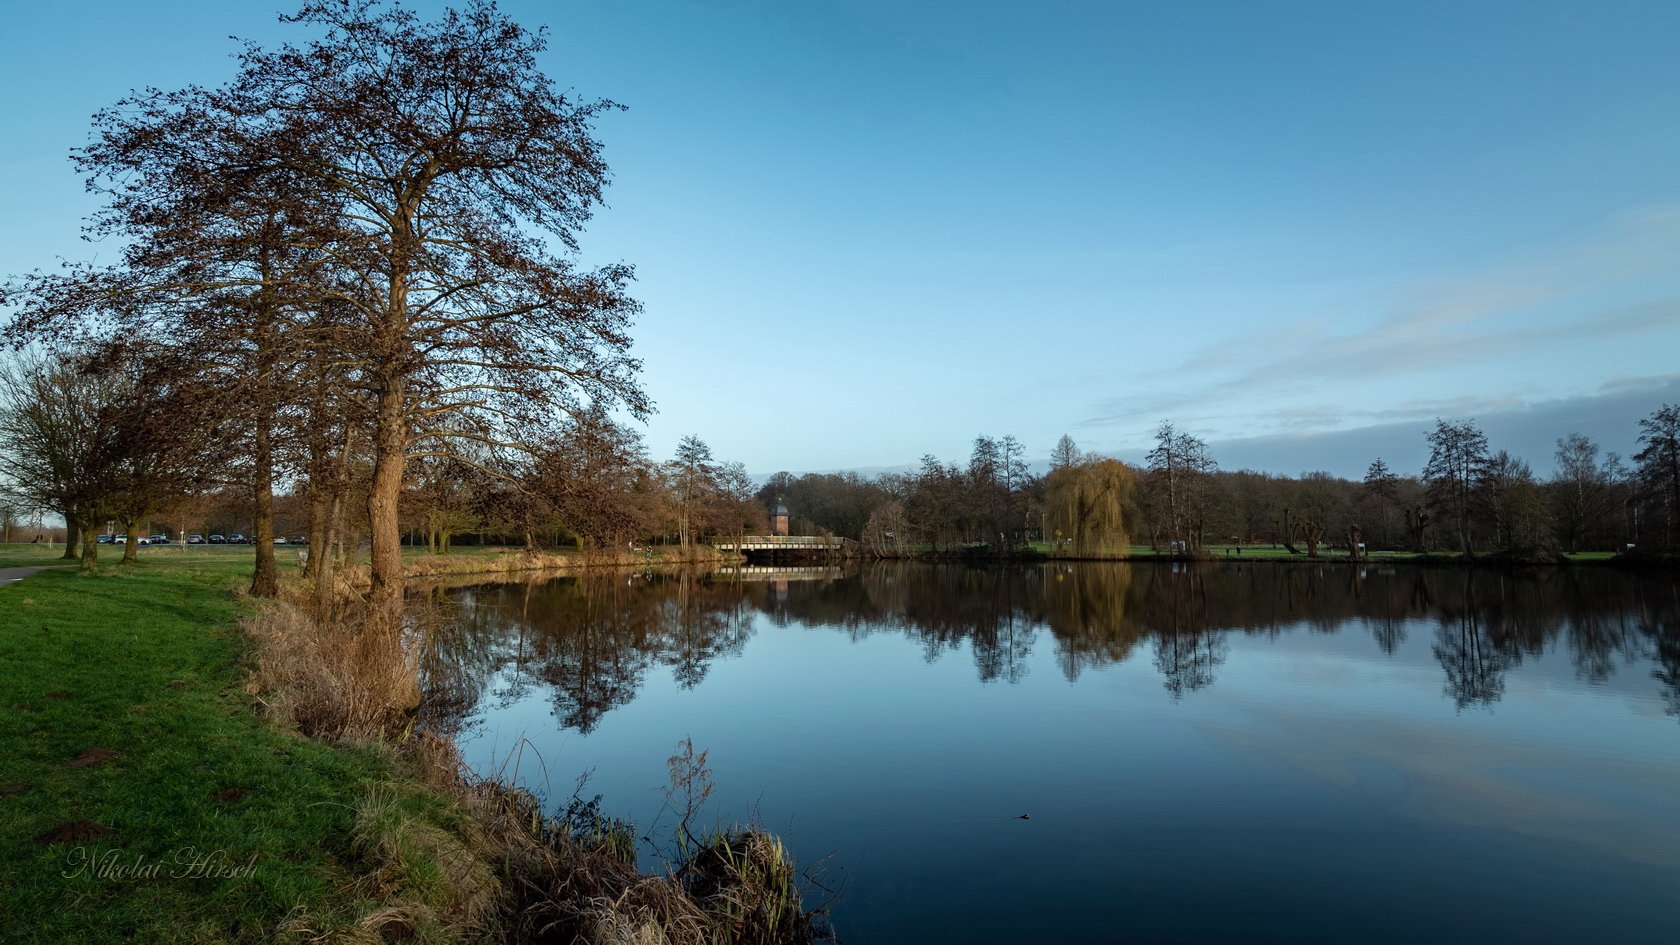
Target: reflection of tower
[[779, 518]]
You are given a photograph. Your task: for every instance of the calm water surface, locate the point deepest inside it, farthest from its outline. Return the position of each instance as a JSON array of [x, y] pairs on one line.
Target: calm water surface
[[1261, 753]]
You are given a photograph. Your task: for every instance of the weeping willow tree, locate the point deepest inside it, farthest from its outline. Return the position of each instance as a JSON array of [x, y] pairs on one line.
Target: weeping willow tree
[[1085, 506]]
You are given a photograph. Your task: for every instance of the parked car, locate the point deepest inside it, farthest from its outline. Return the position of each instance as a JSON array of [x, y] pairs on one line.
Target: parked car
[[119, 539], [280, 540], [218, 540], [238, 540], [195, 539], [300, 539], [104, 539], [160, 539]]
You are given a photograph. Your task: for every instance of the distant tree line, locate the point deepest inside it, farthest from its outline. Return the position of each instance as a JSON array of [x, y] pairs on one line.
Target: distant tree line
[[1468, 498]]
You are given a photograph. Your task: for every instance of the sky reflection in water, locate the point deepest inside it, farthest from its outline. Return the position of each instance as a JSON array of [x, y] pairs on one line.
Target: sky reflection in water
[[1226, 753]]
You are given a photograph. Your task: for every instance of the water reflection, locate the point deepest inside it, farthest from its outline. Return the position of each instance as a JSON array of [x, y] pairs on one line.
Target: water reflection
[[591, 642]]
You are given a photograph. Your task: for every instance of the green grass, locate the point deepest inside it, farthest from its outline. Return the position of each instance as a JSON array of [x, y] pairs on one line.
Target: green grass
[[24, 555], [145, 660]]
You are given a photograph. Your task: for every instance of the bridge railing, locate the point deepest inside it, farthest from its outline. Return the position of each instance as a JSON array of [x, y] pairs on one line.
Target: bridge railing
[[798, 541]]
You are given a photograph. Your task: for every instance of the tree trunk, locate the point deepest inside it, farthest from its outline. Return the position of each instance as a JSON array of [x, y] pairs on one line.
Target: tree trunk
[[317, 531], [73, 528], [131, 551], [265, 580], [332, 527], [322, 555], [389, 461], [90, 547]]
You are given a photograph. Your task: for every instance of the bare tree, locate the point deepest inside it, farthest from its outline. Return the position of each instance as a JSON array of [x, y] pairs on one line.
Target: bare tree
[[1178, 467], [1659, 468], [693, 479], [933, 500], [1458, 455], [592, 482], [1382, 487], [60, 447], [886, 529], [1580, 497], [1066, 453], [1520, 519], [12, 513]]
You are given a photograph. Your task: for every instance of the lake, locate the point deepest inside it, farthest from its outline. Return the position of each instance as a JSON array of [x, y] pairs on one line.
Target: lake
[[1104, 752]]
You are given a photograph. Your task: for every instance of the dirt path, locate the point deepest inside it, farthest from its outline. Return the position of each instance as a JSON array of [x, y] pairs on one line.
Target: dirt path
[[14, 575]]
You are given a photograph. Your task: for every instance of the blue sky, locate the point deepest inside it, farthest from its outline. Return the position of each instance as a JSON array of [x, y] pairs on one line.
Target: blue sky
[[868, 231]]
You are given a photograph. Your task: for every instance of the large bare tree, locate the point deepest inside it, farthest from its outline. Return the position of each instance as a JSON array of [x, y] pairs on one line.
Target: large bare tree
[[421, 181], [451, 156], [1458, 459]]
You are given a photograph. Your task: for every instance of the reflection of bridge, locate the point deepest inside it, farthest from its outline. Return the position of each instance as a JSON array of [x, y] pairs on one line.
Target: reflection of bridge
[[752, 573], [777, 547]]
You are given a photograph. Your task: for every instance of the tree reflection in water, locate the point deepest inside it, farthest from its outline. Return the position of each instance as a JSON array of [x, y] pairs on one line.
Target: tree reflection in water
[[591, 641]]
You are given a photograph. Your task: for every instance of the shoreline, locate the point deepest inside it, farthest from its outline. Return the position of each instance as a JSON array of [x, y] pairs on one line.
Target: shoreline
[[268, 738]]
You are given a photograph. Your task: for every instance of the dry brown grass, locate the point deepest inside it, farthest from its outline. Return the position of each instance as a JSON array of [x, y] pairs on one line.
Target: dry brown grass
[[426, 874], [329, 678], [745, 881]]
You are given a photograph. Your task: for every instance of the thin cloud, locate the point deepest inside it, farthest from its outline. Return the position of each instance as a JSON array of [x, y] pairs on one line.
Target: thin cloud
[[1526, 428], [1534, 305]]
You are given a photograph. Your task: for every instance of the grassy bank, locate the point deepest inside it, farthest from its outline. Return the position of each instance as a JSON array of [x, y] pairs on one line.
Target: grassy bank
[[156, 787], [128, 741]]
